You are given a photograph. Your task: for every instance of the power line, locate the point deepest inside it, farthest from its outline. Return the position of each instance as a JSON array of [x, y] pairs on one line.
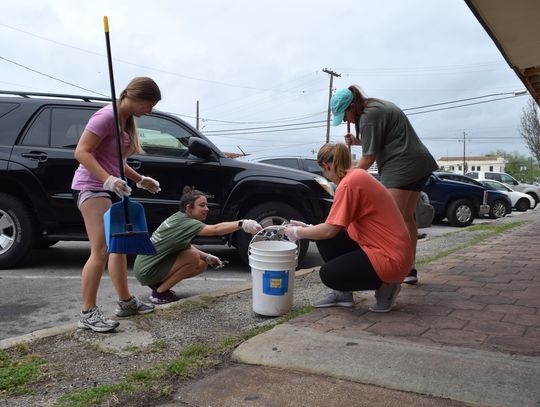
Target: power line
[[51, 77]]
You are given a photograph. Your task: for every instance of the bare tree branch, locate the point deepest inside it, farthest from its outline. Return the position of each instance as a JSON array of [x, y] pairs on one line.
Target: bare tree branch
[[530, 128]]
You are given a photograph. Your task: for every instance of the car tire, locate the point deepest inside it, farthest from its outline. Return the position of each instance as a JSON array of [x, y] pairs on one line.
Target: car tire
[[536, 199], [268, 214], [460, 213], [17, 231], [522, 205], [498, 209]]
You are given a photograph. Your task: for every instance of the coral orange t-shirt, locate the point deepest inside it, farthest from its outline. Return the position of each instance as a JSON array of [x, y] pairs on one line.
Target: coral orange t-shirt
[[365, 208]]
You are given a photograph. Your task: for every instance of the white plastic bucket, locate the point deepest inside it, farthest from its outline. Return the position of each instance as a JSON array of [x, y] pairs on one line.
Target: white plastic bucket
[[273, 264]]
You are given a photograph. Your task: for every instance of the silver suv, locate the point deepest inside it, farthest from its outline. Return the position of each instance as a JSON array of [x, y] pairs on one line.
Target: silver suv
[[507, 179]]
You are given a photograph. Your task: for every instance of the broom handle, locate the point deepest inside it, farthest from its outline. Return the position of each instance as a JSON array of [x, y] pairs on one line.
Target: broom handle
[[349, 132], [116, 120]]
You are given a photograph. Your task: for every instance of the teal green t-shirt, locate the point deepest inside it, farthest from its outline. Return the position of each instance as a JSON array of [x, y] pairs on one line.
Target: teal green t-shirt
[[170, 238], [387, 134]]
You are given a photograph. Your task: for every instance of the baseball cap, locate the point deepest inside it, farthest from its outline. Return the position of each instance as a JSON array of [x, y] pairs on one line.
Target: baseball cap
[[340, 102]]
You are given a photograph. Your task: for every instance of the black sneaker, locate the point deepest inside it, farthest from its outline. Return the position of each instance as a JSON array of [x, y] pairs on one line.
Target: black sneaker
[[165, 297], [412, 277]]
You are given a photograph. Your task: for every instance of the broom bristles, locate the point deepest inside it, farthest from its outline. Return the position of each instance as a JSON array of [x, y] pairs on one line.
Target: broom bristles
[[131, 243]]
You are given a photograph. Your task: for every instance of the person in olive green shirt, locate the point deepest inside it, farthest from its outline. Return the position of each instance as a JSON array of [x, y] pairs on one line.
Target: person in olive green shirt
[[176, 258], [387, 137]]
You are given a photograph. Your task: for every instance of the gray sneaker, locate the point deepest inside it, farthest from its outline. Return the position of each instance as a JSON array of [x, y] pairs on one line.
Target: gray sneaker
[[94, 320], [133, 307], [336, 299], [385, 298]]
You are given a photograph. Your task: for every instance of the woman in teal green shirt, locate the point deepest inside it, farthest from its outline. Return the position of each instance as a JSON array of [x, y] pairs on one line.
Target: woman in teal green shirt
[[387, 136], [176, 258]]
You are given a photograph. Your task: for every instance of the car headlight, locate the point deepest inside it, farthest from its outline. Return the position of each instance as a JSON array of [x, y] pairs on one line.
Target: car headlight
[[326, 185]]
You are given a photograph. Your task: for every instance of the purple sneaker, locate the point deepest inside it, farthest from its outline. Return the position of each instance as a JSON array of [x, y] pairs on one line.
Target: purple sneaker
[[165, 297]]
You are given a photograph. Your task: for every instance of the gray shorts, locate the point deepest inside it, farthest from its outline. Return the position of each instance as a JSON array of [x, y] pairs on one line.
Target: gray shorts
[[81, 196]]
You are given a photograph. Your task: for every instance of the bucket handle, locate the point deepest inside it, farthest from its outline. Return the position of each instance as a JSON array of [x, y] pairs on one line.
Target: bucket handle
[[271, 227]]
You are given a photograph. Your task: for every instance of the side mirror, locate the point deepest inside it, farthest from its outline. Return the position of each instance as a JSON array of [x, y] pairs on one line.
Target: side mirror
[[200, 148]]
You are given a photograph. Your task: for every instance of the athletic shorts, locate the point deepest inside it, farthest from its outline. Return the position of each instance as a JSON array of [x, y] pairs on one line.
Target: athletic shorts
[[80, 196], [416, 185]]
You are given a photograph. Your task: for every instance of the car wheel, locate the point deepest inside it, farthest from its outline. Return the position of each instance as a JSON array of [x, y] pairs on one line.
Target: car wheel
[[460, 213], [523, 204], [269, 214], [16, 231], [498, 209], [536, 199]]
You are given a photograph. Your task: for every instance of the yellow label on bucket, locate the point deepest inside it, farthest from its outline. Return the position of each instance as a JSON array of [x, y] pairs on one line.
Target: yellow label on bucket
[[275, 283]]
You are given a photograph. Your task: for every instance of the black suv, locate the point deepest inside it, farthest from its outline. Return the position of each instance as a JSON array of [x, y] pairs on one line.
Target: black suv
[[38, 136]]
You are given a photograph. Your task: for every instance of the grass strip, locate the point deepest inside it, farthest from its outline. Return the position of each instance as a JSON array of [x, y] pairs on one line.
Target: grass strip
[[190, 361], [16, 373], [487, 232]]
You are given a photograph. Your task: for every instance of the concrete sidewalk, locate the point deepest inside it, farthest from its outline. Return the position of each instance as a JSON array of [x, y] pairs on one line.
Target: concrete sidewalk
[[468, 333]]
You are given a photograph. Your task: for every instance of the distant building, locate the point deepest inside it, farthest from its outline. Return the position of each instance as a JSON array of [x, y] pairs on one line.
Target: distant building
[[472, 163]]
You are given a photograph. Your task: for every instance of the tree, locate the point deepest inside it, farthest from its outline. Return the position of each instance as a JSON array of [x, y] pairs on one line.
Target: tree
[[530, 128]]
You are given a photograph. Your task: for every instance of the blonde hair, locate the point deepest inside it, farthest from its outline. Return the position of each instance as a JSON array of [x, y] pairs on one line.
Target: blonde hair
[[142, 88], [338, 155]]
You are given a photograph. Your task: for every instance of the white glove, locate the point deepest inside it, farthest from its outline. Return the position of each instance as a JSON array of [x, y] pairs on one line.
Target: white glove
[[251, 226], [292, 232], [213, 260], [117, 185], [298, 223], [150, 184]]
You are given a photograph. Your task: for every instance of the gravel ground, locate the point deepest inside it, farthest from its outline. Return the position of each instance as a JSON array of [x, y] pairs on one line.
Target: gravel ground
[[75, 361]]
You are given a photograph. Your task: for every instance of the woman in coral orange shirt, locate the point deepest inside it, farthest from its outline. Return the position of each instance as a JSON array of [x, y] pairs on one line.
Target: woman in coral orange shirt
[[364, 242]]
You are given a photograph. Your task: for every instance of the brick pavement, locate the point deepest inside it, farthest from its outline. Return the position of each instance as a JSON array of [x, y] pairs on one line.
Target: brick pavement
[[486, 296]]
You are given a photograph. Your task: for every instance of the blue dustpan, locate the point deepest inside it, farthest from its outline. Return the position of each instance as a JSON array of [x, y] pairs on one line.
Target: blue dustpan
[[128, 236]]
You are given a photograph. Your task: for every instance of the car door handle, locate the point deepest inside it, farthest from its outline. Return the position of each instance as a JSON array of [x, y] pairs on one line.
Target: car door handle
[[36, 156], [135, 164]]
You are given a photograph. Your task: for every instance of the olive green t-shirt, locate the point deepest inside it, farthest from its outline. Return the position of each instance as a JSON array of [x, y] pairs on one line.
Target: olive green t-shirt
[[170, 238], [387, 134]]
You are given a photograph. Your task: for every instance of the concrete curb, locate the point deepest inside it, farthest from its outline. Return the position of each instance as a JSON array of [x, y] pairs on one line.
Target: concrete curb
[[468, 375], [63, 329]]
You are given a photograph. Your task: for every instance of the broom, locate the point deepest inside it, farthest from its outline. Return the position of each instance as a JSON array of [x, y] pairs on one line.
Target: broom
[[123, 236]]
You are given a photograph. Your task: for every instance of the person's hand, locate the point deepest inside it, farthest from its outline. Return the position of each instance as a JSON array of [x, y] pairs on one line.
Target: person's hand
[[213, 260], [117, 185], [150, 184], [351, 140], [251, 226], [292, 232], [298, 223]]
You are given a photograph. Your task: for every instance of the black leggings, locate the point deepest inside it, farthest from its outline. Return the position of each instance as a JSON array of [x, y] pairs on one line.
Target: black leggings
[[346, 266]]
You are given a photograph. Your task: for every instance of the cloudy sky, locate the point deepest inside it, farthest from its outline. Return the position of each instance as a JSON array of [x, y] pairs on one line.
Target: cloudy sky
[[256, 66]]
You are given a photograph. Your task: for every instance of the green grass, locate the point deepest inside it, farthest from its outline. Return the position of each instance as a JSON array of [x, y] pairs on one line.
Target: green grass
[[488, 231], [190, 361], [16, 372]]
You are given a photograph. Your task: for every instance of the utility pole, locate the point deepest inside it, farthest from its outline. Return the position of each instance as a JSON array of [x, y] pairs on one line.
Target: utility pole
[[332, 74], [464, 162], [197, 124]]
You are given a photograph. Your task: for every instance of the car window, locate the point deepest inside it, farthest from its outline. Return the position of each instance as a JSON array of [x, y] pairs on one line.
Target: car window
[[312, 166], [67, 125], [490, 175], [283, 162], [162, 137], [472, 175], [496, 186], [507, 179], [38, 132], [57, 127]]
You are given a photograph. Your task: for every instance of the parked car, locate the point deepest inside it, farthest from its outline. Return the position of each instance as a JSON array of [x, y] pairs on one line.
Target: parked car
[[499, 203], [308, 164], [507, 179], [38, 136], [520, 201], [460, 203]]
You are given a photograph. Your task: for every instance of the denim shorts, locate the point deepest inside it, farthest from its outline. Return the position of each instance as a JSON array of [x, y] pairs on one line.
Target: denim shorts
[[416, 185]]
